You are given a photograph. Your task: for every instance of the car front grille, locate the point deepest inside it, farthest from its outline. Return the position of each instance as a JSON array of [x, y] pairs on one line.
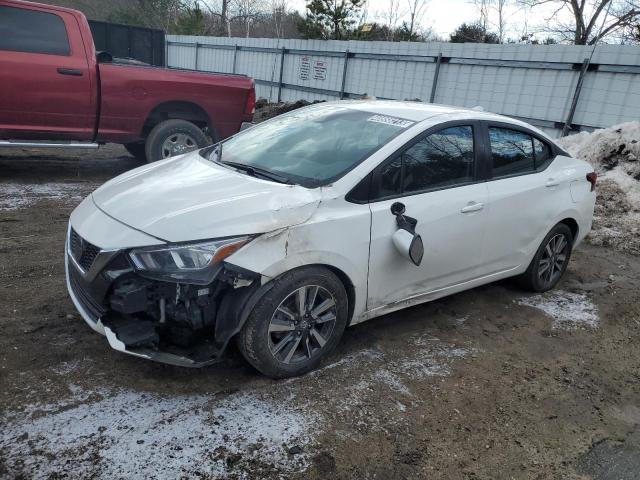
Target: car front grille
[[84, 253], [91, 306]]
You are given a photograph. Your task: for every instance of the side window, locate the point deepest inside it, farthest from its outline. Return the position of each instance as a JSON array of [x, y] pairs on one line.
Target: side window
[[543, 154], [32, 31], [511, 152], [441, 159], [390, 178]]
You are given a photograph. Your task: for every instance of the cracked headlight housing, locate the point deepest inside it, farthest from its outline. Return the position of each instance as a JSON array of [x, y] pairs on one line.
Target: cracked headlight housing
[[196, 263]]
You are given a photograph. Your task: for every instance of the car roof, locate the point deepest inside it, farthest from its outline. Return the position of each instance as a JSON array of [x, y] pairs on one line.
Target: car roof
[[418, 111]]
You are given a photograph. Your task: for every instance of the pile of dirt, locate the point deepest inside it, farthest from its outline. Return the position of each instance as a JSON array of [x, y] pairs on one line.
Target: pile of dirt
[[615, 155], [266, 110]]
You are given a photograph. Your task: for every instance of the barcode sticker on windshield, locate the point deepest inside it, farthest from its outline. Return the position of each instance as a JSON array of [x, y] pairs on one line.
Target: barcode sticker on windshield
[[396, 122]]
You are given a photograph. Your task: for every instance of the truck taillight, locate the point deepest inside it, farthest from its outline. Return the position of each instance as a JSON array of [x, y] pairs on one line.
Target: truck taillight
[[250, 107], [592, 178]]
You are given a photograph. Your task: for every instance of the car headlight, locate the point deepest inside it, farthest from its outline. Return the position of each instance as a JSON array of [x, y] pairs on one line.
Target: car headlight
[[190, 263]]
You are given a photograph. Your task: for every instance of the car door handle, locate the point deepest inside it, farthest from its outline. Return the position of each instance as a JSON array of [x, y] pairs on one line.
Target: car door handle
[[70, 71], [472, 207], [552, 182]]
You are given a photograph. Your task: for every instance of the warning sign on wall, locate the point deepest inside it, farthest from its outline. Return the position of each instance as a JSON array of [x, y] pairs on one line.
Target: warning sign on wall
[[304, 67], [319, 70]]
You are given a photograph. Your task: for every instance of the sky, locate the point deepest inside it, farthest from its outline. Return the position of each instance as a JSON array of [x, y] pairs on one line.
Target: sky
[[444, 16]]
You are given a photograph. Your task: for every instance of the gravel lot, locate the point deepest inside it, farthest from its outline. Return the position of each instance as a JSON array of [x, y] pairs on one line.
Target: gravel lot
[[488, 384]]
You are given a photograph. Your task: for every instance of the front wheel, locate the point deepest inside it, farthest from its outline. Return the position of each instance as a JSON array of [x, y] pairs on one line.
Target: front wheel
[[173, 137], [295, 324], [550, 261]]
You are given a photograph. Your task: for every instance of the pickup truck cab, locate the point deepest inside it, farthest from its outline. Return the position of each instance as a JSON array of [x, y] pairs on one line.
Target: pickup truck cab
[[57, 91]]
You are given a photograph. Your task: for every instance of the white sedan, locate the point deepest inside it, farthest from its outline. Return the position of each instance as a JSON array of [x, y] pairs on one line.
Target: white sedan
[[285, 234]]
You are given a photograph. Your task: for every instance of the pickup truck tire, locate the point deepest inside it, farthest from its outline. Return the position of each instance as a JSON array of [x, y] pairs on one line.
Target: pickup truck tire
[[137, 150], [173, 137]]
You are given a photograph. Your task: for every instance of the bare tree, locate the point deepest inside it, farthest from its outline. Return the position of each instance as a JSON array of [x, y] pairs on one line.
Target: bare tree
[[244, 13], [591, 20], [417, 9], [500, 7], [391, 15], [278, 13], [483, 10]]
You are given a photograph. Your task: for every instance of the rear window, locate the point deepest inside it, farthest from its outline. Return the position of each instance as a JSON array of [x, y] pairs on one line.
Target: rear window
[[31, 31], [511, 152]]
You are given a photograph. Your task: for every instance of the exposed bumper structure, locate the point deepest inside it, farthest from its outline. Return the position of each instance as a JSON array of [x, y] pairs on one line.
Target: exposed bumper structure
[[96, 324], [201, 324]]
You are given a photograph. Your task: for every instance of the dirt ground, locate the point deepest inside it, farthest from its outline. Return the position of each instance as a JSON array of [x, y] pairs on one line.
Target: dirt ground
[[491, 383]]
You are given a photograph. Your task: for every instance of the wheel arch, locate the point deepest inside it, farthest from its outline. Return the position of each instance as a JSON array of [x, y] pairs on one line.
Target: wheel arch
[[572, 224], [179, 110]]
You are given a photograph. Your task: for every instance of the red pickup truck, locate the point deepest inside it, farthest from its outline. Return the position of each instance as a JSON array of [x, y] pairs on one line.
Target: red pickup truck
[[56, 91]]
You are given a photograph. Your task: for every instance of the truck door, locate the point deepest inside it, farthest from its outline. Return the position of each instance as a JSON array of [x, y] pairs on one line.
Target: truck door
[[46, 84]]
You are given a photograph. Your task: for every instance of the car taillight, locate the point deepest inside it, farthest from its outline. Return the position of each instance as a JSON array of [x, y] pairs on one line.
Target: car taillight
[[592, 178], [250, 107]]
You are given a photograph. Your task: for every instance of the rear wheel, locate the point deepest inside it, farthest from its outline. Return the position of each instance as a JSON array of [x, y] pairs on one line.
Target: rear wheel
[[173, 137], [295, 324], [551, 260]]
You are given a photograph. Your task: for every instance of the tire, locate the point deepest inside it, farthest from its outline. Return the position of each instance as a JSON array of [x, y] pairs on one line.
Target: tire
[[557, 245], [137, 150], [276, 317], [187, 136]]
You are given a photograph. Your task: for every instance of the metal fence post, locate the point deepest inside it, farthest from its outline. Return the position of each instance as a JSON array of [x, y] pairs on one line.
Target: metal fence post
[[344, 73], [434, 85], [281, 71], [576, 97], [235, 57], [197, 50]]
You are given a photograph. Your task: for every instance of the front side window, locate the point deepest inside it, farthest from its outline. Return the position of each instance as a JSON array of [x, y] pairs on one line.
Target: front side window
[[511, 152], [32, 31], [441, 159], [312, 146]]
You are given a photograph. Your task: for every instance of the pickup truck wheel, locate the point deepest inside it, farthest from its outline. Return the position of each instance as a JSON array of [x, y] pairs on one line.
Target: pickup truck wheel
[[137, 150], [296, 323], [173, 137]]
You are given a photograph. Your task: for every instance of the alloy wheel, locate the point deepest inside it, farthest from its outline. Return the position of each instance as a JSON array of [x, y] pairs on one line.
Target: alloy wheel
[[553, 259], [302, 324], [177, 144]]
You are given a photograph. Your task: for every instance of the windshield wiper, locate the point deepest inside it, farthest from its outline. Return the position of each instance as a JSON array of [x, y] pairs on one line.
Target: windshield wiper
[[257, 171]]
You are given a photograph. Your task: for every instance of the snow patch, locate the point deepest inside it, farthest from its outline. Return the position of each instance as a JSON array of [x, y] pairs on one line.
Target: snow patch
[[615, 154], [568, 310], [14, 196], [136, 435]]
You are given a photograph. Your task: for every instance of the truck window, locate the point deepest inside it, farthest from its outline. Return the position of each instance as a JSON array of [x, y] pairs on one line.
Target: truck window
[[31, 31]]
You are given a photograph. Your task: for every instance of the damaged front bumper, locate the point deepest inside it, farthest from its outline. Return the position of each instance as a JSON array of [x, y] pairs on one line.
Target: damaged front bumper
[[146, 332]]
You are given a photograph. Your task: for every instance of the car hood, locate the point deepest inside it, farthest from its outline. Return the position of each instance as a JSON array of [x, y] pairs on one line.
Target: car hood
[[189, 198]]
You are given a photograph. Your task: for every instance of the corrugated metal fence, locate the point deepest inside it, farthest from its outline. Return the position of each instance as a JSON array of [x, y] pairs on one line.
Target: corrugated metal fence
[[553, 87]]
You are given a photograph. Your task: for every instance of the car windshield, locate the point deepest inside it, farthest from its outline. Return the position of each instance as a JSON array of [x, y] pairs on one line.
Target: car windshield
[[312, 147]]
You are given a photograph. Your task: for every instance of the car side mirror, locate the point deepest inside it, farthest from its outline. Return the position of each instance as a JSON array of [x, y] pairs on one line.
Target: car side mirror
[[409, 245], [405, 239], [104, 57]]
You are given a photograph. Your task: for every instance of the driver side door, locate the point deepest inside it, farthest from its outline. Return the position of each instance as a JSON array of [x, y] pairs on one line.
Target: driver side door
[[437, 178]]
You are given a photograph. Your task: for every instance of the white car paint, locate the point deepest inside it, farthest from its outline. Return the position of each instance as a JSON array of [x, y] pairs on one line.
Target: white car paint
[[188, 198]]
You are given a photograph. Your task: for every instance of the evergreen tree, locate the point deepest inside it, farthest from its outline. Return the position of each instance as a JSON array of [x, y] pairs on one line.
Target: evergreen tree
[[473, 33], [329, 18]]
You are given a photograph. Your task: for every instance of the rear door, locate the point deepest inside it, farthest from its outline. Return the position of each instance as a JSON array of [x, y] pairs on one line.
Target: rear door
[[46, 87], [436, 178], [525, 194]]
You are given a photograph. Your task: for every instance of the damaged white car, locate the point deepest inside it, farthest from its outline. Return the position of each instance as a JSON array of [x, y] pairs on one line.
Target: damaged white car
[[283, 235]]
